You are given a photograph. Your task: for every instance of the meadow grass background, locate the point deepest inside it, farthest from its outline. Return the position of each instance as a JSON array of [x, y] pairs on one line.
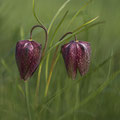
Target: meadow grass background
[[105, 41]]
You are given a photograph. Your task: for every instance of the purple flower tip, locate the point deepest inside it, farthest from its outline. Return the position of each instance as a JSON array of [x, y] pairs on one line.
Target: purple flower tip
[[28, 56], [76, 55]]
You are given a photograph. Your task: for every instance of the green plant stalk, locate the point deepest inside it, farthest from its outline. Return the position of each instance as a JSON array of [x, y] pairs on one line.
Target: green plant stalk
[[54, 60], [38, 80], [27, 100], [77, 98], [46, 66], [51, 42]]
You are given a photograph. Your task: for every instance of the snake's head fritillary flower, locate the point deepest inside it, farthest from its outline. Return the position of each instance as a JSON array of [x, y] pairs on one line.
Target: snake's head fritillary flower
[[76, 55], [28, 56]]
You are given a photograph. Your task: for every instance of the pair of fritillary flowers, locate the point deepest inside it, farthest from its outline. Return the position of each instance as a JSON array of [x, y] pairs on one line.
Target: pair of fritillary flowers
[[76, 55]]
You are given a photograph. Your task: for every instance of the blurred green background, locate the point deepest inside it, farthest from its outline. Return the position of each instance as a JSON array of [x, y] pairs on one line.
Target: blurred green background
[[66, 105]]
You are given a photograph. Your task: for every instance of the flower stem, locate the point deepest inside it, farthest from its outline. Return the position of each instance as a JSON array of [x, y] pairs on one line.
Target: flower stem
[[51, 70], [75, 37], [27, 100], [43, 53], [38, 80], [77, 100], [54, 60], [46, 36]]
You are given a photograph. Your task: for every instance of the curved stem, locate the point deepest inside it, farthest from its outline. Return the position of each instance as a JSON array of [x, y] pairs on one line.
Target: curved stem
[[43, 53], [65, 35], [46, 36], [53, 63]]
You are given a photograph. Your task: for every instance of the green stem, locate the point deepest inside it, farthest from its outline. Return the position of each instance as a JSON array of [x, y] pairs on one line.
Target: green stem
[[77, 99], [51, 42], [27, 100], [51, 70], [38, 80]]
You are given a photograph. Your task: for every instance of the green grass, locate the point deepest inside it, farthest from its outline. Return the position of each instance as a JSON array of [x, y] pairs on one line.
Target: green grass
[[95, 96]]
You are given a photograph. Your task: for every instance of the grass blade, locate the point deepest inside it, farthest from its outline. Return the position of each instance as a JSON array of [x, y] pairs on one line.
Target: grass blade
[[58, 12], [86, 24]]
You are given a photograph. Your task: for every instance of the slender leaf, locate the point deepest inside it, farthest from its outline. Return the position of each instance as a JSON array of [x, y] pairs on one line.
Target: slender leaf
[[58, 12], [86, 24]]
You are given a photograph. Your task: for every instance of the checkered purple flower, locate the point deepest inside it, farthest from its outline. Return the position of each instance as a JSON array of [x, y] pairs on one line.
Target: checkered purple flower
[[76, 55], [28, 56]]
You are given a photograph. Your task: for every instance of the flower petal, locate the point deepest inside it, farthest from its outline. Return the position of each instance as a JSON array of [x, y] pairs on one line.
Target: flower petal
[[83, 57], [69, 54]]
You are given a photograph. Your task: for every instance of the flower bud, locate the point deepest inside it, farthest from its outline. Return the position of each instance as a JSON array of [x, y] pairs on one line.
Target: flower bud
[[28, 56], [76, 55]]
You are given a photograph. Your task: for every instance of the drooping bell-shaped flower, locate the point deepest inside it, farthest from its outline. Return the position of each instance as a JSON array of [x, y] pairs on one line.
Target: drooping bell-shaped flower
[[28, 55], [76, 55]]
